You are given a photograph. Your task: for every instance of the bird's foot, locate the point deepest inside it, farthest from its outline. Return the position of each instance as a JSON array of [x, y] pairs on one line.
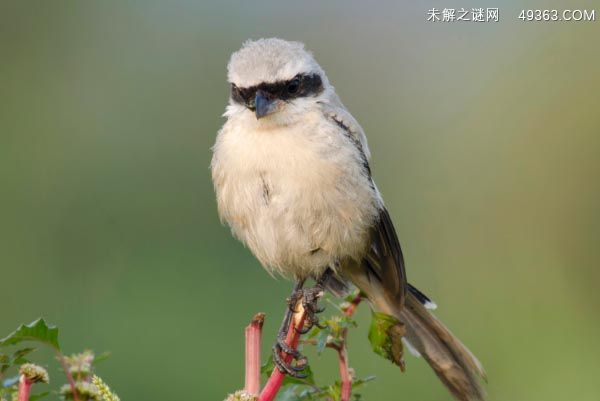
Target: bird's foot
[[309, 298], [297, 371], [310, 302]]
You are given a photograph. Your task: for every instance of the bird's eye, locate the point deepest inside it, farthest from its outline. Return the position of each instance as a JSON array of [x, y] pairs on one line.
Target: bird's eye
[[241, 95], [293, 85]]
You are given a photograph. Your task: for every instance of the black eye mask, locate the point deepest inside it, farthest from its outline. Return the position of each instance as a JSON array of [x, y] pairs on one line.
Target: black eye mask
[[299, 86]]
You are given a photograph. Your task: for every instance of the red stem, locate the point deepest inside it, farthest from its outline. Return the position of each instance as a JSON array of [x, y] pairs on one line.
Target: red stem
[[276, 380], [353, 305], [253, 333], [346, 378], [61, 359], [24, 388]]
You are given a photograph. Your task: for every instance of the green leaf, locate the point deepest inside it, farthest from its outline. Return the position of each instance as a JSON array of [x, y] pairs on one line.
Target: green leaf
[[309, 379], [356, 383], [101, 358], [385, 335], [267, 367], [290, 393], [17, 358], [34, 331], [4, 363], [39, 396], [321, 341], [303, 393], [350, 297]]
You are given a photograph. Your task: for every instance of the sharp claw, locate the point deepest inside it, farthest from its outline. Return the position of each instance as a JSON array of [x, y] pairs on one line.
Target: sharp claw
[[282, 346], [298, 369], [310, 298], [298, 375], [320, 310], [304, 330], [301, 364], [281, 365], [288, 369], [321, 326]]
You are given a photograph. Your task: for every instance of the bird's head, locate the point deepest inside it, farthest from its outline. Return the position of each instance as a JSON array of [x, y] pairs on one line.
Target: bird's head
[[275, 80]]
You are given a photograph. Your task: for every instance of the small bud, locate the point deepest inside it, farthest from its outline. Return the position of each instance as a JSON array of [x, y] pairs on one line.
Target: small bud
[[80, 365], [85, 390], [34, 373], [105, 391], [241, 395]]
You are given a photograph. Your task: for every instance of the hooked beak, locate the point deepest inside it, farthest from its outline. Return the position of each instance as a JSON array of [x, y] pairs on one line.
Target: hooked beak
[[264, 104]]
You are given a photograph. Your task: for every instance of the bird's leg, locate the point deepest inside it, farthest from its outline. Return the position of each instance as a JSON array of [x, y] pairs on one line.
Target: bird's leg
[[310, 301], [281, 346], [310, 297]]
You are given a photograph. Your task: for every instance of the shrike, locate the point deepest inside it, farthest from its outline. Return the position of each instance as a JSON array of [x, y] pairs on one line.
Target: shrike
[[292, 178]]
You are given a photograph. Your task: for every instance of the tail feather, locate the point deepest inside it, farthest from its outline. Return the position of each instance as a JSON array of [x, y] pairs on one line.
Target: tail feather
[[382, 279], [454, 364]]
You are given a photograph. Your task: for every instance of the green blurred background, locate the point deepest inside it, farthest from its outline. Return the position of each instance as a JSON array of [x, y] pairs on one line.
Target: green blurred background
[[485, 141]]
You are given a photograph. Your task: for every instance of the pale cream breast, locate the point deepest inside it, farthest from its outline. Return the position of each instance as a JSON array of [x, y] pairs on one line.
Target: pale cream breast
[[296, 195]]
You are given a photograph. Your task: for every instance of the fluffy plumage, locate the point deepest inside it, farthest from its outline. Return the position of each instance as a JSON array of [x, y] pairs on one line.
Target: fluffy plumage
[[293, 187], [293, 182], [269, 60]]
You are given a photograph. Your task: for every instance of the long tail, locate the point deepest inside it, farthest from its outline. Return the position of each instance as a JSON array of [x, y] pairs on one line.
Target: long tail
[[381, 277], [454, 364]]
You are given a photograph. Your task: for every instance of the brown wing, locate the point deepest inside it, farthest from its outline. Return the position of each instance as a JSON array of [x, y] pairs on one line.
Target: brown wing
[[385, 262]]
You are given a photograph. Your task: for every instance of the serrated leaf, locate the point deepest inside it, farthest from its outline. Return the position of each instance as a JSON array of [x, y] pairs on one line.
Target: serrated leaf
[[101, 358], [356, 383], [288, 394], [385, 335], [39, 396], [34, 331], [321, 341], [17, 358], [347, 322], [4, 363], [315, 331], [267, 367], [309, 379]]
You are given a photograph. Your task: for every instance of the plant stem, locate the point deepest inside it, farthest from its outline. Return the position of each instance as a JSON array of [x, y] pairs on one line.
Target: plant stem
[[253, 334], [345, 376], [24, 388], [61, 359], [293, 336], [353, 305]]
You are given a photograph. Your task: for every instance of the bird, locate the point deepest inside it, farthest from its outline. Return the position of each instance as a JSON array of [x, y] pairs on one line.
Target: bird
[[292, 178]]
